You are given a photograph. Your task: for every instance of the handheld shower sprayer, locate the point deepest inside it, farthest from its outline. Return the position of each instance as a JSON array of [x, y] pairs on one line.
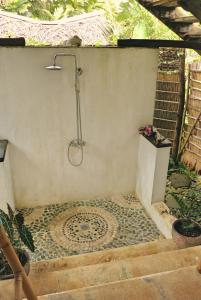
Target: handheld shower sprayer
[[78, 142]]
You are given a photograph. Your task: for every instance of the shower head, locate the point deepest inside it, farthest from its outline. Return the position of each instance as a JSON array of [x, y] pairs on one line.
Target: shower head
[[53, 67]]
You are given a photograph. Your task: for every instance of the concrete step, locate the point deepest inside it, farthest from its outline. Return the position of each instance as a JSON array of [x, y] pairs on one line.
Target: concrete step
[[180, 284], [108, 255], [104, 273], [65, 263]]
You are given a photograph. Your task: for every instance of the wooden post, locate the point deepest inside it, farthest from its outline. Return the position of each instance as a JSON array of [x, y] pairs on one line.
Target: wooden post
[[199, 267], [184, 113], [181, 106], [190, 132], [15, 264], [18, 286]]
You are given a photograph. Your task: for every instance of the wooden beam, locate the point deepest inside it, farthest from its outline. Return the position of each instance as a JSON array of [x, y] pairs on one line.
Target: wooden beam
[[164, 2], [158, 44], [12, 42], [161, 11], [184, 19], [194, 6]]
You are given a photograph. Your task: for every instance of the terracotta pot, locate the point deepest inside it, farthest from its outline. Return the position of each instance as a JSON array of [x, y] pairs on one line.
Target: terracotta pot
[[184, 241], [26, 267]]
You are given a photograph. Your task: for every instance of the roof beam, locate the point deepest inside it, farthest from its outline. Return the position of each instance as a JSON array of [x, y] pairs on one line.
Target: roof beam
[[166, 3], [186, 19], [194, 6], [158, 44]]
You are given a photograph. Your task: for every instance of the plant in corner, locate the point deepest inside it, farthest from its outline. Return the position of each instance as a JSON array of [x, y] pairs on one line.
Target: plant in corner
[[186, 231], [19, 236]]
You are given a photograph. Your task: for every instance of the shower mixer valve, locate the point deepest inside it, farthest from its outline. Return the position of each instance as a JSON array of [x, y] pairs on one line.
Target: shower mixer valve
[[77, 143]]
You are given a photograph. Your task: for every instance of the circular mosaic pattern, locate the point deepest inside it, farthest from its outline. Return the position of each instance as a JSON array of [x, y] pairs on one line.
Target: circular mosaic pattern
[[78, 228], [83, 228]]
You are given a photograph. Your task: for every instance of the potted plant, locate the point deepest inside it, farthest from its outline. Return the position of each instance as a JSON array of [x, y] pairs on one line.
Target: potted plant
[[186, 231], [19, 236]]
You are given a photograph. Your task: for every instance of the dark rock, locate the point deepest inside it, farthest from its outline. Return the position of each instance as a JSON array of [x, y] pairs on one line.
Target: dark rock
[[180, 180], [171, 201]]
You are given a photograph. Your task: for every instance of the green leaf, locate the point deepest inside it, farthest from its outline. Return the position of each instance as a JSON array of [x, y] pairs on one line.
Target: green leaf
[[26, 237], [7, 224], [19, 219], [10, 212]]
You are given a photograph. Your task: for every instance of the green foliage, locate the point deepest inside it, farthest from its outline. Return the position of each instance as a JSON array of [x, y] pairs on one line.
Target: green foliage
[[26, 237], [176, 166], [13, 223], [131, 20], [33, 42], [127, 19], [189, 205], [18, 6], [51, 9], [7, 224]]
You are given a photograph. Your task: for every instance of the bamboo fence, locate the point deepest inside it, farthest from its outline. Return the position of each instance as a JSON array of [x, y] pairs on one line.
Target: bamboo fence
[[170, 94], [191, 137]]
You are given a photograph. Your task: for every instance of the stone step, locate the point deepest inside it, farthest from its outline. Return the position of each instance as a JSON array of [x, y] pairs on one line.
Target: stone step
[[108, 255], [104, 273], [180, 284]]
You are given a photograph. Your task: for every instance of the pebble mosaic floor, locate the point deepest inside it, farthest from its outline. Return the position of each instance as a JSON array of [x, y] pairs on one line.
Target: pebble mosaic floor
[[85, 226]]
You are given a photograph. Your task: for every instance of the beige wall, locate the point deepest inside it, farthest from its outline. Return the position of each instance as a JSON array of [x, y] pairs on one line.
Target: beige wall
[[37, 116]]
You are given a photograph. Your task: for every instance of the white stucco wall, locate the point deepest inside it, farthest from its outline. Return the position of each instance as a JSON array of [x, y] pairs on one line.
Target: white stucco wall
[[152, 169], [37, 116]]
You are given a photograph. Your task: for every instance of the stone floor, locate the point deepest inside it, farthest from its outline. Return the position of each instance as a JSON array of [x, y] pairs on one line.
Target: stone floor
[[85, 226]]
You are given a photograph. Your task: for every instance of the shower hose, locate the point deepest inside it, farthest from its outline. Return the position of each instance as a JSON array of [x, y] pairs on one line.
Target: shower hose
[[78, 142]]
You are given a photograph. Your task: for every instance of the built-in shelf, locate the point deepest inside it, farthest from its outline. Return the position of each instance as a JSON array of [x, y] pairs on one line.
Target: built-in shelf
[[3, 147]]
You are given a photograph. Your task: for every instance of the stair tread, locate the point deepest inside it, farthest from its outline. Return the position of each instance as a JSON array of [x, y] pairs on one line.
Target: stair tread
[[64, 280], [103, 256], [184, 283], [113, 271]]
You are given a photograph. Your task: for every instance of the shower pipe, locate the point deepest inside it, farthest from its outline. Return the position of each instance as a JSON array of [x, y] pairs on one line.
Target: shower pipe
[[78, 142]]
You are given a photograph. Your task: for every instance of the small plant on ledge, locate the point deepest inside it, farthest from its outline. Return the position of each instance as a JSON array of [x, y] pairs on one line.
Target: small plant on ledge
[[19, 236], [153, 135]]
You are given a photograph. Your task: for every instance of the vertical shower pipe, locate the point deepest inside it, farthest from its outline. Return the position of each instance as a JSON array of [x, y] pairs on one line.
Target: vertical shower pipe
[[75, 142]]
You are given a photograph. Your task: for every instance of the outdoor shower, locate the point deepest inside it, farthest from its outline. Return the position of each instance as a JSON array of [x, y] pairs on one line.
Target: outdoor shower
[[78, 142]]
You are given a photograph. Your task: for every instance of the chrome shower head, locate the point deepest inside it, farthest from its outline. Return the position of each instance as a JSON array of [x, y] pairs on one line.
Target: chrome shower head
[[54, 67]]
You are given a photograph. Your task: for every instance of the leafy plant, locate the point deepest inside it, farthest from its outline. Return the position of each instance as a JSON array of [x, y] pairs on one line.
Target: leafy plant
[[189, 206], [17, 231], [177, 166], [130, 20], [18, 234], [51, 9]]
